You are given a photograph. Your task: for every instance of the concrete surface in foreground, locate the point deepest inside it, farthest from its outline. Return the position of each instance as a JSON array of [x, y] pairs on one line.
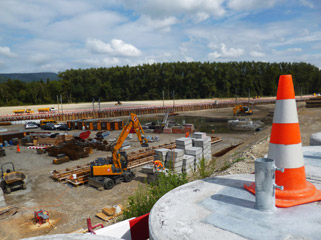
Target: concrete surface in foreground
[[220, 208]]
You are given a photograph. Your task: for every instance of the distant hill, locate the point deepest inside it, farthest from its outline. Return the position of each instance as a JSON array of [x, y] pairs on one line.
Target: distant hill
[[28, 77]]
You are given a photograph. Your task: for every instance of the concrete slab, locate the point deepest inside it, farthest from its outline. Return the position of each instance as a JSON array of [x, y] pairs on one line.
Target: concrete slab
[[220, 208]]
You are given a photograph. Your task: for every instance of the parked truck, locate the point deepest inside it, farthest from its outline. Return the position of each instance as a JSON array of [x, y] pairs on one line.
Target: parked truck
[[21, 111]]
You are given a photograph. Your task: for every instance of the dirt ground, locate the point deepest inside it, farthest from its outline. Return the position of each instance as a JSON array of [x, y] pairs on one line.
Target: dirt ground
[[69, 207]]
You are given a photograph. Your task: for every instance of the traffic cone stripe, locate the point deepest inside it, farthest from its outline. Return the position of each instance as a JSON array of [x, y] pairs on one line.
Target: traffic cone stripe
[[285, 152], [285, 111], [285, 88], [285, 133]]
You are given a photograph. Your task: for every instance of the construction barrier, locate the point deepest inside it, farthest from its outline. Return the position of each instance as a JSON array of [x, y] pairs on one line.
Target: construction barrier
[[139, 110]]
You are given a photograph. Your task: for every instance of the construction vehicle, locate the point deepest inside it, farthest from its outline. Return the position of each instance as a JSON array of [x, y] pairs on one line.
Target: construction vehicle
[[242, 110], [10, 178], [106, 172], [41, 217], [22, 111], [47, 110]]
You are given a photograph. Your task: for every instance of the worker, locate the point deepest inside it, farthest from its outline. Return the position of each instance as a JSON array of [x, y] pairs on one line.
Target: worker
[[187, 134], [18, 148], [158, 165]]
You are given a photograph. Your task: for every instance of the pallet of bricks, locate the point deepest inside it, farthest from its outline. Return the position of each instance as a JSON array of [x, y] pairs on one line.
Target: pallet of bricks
[[75, 176], [187, 154], [142, 157]]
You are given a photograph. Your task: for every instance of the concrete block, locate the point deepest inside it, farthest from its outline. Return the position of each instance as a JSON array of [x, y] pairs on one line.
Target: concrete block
[[188, 162], [175, 153], [160, 154], [315, 139], [194, 151], [184, 147], [199, 135], [2, 200], [148, 169], [183, 141]]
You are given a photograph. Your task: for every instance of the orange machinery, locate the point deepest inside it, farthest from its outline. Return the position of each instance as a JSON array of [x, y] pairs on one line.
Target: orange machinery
[[106, 172]]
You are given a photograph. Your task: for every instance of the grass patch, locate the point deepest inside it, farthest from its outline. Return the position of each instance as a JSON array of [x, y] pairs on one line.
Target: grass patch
[[145, 197], [228, 164]]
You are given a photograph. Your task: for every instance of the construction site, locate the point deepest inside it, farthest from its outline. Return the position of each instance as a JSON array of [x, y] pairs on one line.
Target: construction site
[[62, 171]]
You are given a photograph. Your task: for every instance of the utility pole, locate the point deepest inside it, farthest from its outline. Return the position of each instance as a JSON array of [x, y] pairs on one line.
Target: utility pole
[[163, 99], [173, 100], [235, 96], [62, 110], [249, 94], [58, 103], [93, 102], [99, 104]]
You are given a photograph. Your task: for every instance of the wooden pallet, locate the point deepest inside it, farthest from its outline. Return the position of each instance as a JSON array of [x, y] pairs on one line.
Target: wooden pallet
[[65, 175]]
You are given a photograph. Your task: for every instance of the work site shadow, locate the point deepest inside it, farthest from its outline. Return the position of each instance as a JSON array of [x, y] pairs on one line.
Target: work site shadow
[[230, 196], [141, 179], [228, 182], [233, 200]]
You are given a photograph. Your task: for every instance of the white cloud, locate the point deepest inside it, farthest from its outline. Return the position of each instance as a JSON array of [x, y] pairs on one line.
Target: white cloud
[[189, 59], [240, 5], [226, 52], [5, 51], [294, 50], [116, 47], [163, 24], [307, 3], [39, 58], [198, 10], [111, 61], [257, 54]]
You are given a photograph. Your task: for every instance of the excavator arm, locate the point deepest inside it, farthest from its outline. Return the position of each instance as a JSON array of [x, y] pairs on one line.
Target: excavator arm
[[133, 122]]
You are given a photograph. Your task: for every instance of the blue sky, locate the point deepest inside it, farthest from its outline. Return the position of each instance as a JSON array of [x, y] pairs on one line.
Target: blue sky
[[46, 35]]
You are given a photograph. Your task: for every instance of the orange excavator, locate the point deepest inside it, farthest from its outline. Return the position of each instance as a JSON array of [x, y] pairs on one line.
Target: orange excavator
[[106, 172], [242, 110]]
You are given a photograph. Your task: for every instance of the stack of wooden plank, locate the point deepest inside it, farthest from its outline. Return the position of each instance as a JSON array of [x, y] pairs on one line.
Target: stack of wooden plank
[[80, 178], [140, 161], [108, 213], [64, 175], [215, 140], [61, 160], [136, 155], [314, 102]]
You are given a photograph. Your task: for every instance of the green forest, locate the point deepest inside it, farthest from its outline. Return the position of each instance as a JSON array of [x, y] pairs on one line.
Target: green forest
[[179, 80]]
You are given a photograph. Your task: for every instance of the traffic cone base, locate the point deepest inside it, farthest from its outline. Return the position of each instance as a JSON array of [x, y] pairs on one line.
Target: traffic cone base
[[296, 189]]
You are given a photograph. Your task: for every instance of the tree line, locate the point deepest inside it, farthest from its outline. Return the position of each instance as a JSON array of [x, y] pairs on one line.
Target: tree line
[[179, 80]]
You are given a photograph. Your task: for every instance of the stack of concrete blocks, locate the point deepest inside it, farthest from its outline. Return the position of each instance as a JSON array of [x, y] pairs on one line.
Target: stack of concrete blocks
[[188, 160], [196, 152], [174, 160], [201, 140], [160, 154], [2, 200], [188, 163]]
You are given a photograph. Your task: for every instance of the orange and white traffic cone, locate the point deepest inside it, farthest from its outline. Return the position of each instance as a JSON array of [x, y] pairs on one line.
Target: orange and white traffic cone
[[286, 149], [18, 148]]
